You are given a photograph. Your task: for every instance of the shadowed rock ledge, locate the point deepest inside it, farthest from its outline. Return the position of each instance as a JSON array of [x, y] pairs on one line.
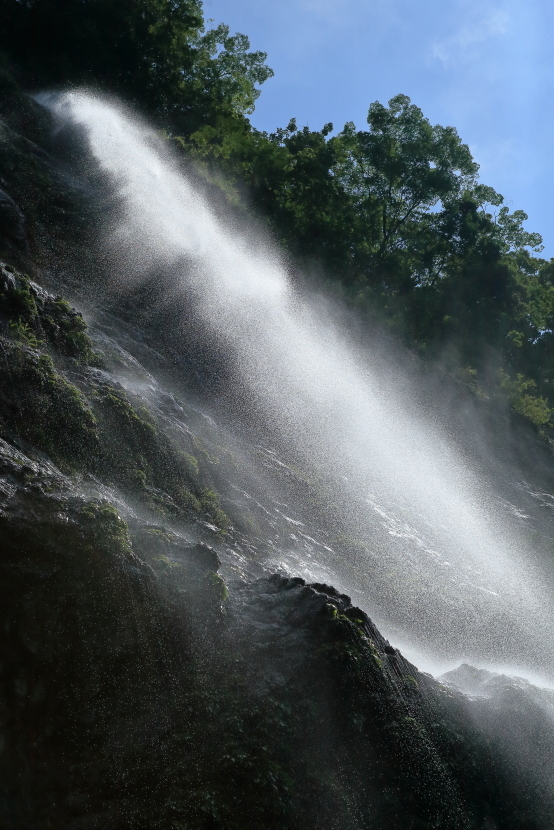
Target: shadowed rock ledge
[[137, 694]]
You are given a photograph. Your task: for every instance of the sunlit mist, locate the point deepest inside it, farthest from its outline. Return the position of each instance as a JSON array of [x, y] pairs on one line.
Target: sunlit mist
[[438, 564]]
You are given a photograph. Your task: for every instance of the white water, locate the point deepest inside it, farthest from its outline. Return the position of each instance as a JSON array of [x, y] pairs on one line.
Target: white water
[[440, 567]]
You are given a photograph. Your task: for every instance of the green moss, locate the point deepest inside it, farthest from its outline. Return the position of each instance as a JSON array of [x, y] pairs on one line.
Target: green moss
[[217, 585], [107, 530], [190, 464], [41, 407], [160, 534], [209, 502], [117, 407], [165, 564], [138, 455], [117, 439], [15, 297], [139, 477], [36, 317], [23, 332], [24, 302], [188, 500]]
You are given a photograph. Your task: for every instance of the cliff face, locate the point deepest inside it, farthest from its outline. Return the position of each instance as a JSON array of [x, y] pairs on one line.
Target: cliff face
[[155, 672], [139, 691]]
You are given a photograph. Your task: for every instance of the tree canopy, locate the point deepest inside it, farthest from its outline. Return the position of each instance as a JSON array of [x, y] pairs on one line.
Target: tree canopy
[[156, 53], [393, 216]]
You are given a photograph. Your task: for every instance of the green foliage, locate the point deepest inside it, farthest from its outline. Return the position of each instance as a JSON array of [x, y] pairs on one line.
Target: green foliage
[[396, 218], [402, 167], [153, 52], [23, 332], [233, 69], [509, 226], [469, 377], [107, 530], [532, 407], [36, 318], [393, 215]]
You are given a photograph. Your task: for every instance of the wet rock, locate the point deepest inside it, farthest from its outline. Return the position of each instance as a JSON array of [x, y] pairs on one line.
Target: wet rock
[[38, 317], [85, 664], [518, 717], [12, 221], [331, 592], [112, 661], [156, 541], [203, 556]]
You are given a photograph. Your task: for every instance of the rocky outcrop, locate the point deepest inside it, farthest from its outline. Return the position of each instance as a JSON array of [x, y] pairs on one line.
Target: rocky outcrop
[[139, 688], [517, 718], [92, 653]]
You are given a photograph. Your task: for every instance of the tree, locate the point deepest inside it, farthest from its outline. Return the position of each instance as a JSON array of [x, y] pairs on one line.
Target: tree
[[155, 53], [232, 68], [400, 169]]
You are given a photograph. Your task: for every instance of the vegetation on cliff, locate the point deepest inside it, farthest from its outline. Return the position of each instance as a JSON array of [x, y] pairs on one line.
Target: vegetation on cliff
[[52, 399], [393, 216], [137, 689], [136, 694]]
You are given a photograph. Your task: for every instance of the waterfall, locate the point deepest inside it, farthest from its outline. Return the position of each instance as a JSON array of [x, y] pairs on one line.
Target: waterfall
[[440, 565]]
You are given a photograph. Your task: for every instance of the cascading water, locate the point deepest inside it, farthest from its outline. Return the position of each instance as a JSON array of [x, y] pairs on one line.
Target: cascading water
[[439, 566]]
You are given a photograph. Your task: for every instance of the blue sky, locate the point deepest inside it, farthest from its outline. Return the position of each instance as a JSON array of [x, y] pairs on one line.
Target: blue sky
[[486, 68]]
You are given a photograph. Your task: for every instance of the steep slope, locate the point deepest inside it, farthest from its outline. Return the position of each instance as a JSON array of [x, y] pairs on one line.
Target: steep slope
[[156, 673]]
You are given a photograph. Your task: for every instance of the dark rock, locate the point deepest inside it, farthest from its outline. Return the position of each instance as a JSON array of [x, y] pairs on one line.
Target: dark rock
[[203, 556], [12, 220], [77, 607], [330, 591], [41, 318], [154, 541], [128, 699], [139, 704], [285, 583], [356, 614], [517, 718]]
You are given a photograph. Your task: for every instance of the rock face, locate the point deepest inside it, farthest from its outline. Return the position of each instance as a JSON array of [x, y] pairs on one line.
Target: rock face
[[73, 621], [92, 653], [12, 221], [518, 719], [154, 671], [137, 691]]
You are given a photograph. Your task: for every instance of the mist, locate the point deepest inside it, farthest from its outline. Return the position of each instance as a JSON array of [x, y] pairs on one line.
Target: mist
[[422, 544]]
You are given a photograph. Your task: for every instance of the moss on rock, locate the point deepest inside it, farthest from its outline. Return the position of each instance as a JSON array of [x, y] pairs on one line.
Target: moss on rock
[[138, 455], [40, 407], [36, 317], [99, 428]]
